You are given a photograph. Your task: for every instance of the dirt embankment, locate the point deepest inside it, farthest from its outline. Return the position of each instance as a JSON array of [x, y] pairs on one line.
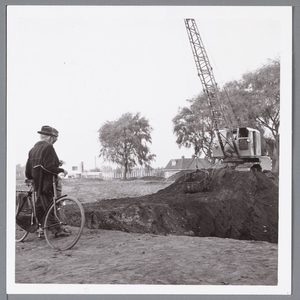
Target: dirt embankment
[[231, 204]]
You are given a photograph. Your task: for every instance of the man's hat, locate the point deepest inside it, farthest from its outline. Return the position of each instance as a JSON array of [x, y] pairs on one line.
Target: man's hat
[[48, 130]]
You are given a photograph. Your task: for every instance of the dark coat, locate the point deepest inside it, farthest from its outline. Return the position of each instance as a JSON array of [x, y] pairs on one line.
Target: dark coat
[[41, 165]]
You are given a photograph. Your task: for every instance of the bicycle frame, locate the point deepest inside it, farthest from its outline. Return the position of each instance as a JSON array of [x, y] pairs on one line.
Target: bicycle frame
[[54, 197], [54, 200], [33, 200]]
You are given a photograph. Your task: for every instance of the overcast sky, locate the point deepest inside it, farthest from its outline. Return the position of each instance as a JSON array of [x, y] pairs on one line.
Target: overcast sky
[[74, 68]]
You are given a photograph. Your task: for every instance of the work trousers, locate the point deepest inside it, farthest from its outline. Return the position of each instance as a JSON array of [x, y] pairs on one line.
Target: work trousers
[[43, 202]]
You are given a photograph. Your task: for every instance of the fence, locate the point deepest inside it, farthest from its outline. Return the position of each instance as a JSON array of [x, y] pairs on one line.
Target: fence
[[134, 173]]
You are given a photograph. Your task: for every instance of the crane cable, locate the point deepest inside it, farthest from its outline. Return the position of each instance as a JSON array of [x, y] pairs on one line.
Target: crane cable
[[236, 119]]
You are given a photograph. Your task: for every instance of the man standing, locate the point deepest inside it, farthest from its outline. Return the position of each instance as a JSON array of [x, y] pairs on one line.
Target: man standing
[[41, 166]]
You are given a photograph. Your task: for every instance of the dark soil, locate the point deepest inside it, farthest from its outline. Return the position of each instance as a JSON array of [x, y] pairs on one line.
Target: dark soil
[[208, 203]]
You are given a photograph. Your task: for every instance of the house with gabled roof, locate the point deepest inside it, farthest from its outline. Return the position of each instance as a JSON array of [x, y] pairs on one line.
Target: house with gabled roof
[[185, 164]]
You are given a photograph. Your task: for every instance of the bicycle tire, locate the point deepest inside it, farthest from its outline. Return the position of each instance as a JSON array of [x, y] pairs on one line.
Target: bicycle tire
[[20, 234], [71, 217]]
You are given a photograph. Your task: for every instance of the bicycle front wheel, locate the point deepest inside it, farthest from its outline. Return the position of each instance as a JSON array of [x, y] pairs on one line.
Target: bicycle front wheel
[[67, 214]]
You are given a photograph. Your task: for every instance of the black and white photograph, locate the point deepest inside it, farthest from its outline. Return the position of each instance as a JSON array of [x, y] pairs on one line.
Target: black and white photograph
[[149, 149]]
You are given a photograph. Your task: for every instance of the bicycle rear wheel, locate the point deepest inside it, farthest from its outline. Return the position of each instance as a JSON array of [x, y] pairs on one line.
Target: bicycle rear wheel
[[21, 234], [23, 209], [69, 216]]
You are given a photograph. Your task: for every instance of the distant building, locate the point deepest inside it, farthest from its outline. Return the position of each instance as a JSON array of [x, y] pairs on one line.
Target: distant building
[[184, 164], [75, 171]]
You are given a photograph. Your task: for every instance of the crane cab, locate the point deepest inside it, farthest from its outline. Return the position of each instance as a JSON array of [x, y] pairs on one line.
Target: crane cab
[[241, 142], [248, 142]]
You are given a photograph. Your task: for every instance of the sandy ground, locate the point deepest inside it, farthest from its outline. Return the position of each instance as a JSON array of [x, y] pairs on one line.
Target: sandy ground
[[115, 257]]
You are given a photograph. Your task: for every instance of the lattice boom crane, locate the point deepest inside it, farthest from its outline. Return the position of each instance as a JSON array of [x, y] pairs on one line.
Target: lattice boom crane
[[237, 146]]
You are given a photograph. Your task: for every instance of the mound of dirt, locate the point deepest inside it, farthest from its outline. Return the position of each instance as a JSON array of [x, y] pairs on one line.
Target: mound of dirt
[[208, 203], [179, 174]]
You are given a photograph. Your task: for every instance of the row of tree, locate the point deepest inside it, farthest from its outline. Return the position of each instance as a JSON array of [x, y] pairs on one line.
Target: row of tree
[[255, 99]]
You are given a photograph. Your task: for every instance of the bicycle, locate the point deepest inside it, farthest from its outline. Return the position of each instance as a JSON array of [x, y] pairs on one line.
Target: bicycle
[[62, 211]]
